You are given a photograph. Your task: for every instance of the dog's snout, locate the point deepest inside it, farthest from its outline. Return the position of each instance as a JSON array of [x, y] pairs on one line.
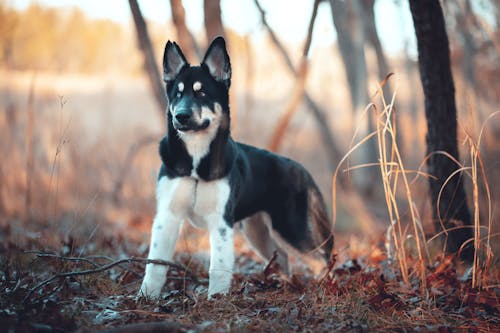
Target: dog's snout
[[183, 117]]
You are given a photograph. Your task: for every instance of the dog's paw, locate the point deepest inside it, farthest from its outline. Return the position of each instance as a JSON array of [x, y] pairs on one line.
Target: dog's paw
[[149, 290], [220, 283], [217, 295]]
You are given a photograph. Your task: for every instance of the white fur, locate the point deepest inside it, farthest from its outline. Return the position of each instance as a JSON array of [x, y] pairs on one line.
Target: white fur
[[198, 143], [180, 86], [174, 197], [221, 235], [203, 203]]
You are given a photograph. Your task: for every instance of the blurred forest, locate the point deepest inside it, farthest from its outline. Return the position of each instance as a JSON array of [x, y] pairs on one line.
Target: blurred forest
[[83, 81], [81, 113]]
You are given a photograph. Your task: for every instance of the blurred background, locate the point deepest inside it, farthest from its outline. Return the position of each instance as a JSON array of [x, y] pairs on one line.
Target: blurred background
[[82, 110]]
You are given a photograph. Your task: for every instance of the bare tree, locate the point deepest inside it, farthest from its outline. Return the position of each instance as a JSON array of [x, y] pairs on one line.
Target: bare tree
[[441, 114], [350, 26], [333, 153], [382, 63], [184, 37], [213, 19], [351, 39], [298, 94], [347, 195], [150, 65]]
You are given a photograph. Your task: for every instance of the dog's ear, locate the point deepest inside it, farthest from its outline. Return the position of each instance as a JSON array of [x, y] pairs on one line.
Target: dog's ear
[[217, 61], [173, 61]]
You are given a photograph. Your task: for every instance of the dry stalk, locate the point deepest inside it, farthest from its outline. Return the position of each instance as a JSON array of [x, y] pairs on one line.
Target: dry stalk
[[392, 168]]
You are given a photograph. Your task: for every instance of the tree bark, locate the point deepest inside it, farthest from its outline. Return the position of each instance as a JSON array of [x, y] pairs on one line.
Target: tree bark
[[382, 63], [150, 65], [351, 39], [184, 38], [441, 115], [213, 20], [350, 26]]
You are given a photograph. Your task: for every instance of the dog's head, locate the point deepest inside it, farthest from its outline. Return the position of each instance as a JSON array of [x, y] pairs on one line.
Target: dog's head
[[198, 95]]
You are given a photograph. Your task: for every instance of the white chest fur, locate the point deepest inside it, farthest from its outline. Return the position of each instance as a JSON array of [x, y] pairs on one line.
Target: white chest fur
[[196, 200]]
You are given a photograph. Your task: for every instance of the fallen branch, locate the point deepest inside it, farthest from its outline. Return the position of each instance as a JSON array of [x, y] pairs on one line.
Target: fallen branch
[[100, 269]]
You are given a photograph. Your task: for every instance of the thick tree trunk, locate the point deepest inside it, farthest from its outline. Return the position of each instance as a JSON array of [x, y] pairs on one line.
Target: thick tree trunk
[[441, 114], [213, 19], [150, 65], [184, 38]]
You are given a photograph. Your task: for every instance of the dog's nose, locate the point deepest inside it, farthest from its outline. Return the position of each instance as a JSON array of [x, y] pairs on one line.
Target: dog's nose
[[182, 117]]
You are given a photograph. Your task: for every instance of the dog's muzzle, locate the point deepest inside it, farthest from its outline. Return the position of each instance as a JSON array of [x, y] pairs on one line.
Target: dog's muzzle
[[184, 120]]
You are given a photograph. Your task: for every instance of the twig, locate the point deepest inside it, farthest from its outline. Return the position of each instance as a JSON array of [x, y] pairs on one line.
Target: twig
[[100, 269], [52, 255]]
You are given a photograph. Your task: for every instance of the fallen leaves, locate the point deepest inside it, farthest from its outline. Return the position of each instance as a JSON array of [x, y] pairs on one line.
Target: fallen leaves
[[64, 290]]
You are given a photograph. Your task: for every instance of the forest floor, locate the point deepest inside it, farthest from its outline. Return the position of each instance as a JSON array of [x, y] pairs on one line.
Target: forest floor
[[50, 282]]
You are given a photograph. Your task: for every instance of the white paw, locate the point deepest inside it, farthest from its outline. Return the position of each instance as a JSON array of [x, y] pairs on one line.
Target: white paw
[[219, 283], [150, 289]]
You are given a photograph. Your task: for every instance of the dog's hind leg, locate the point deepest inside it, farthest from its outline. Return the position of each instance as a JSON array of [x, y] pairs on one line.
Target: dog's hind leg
[[302, 222], [257, 232]]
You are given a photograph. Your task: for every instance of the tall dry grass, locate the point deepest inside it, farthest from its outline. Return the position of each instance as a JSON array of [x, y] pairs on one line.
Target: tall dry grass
[[405, 232]]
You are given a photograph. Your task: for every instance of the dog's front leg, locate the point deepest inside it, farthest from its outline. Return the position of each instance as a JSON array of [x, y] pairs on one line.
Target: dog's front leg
[[163, 239], [221, 257], [173, 199]]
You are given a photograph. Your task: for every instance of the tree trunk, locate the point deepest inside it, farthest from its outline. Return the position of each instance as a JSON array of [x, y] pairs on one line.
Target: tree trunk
[[441, 115], [150, 65], [213, 19], [184, 38], [351, 38], [349, 24], [382, 64]]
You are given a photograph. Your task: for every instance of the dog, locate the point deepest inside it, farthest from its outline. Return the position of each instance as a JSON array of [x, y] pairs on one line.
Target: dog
[[214, 182]]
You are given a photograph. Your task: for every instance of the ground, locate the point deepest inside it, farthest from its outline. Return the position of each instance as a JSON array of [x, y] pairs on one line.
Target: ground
[[50, 282]]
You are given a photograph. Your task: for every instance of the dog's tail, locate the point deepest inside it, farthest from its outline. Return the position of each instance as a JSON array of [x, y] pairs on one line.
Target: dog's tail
[[319, 223], [304, 223]]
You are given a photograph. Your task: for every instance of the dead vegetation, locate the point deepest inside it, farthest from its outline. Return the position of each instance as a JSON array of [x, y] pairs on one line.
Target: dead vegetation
[[91, 287]]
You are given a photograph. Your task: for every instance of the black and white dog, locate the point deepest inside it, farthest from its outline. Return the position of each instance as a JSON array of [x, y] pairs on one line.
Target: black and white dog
[[213, 181]]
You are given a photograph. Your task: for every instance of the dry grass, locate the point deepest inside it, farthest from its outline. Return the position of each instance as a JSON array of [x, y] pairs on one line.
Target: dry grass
[[399, 240]]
